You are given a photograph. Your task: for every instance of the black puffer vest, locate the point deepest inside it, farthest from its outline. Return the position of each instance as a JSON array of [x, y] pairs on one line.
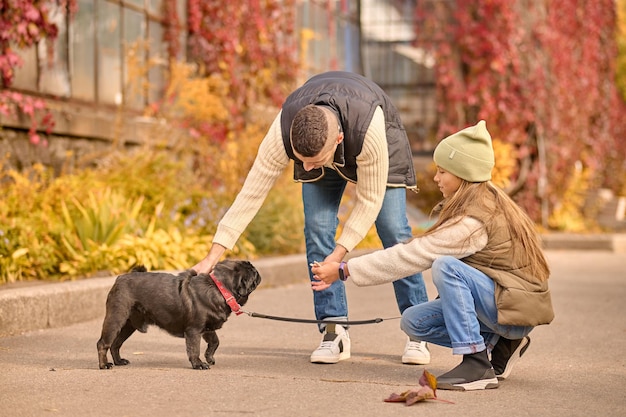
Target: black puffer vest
[[354, 99]]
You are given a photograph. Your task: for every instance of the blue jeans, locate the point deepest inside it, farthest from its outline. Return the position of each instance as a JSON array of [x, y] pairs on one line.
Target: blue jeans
[[321, 205], [464, 317]]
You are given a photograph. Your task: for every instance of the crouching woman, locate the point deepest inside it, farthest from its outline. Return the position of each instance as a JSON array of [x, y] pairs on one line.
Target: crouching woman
[[486, 263]]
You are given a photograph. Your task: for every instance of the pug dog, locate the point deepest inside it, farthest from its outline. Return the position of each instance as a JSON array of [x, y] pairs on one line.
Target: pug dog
[[185, 305]]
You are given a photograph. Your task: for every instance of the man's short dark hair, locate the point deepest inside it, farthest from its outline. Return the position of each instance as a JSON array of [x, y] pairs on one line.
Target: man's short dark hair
[[309, 130]]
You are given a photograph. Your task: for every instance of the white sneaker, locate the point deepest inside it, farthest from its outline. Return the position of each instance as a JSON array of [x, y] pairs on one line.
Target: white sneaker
[[335, 345], [416, 353]]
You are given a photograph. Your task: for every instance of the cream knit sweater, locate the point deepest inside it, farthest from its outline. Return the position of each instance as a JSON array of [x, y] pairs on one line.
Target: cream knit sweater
[[271, 161], [404, 259]]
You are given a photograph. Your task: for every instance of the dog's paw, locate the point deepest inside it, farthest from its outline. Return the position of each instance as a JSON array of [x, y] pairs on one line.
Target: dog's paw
[[122, 362], [107, 365], [201, 366]]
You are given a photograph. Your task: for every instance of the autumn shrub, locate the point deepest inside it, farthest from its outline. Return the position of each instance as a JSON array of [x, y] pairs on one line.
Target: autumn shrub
[[27, 224], [94, 222], [224, 152], [158, 205], [567, 216], [170, 248], [526, 81], [159, 177], [99, 222], [428, 195]]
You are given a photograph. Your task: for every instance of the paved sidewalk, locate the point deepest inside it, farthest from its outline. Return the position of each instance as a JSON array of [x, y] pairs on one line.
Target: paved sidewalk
[[48, 305], [574, 367]]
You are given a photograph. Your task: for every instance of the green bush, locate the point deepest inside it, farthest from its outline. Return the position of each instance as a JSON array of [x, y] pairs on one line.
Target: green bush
[[158, 205], [139, 209], [27, 224]]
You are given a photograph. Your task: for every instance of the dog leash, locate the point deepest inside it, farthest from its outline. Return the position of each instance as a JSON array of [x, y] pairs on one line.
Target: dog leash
[[296, 320], [236, 308]]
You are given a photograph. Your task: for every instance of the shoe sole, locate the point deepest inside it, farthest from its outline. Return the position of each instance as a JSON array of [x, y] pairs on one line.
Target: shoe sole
[[326, 359], [342, 356], [471, 386], [517, 353], [413, 361]]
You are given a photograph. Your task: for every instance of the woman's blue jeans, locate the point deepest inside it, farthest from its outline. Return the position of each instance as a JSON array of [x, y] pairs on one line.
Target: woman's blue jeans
[[464, 317], [321, 206]]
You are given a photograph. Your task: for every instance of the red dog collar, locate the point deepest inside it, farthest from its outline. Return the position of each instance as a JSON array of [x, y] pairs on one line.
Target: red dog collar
[[230, 300]]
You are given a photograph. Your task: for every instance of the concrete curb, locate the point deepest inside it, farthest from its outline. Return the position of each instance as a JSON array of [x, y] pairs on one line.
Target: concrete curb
[[52, 305], [566, 241], [49, 305]]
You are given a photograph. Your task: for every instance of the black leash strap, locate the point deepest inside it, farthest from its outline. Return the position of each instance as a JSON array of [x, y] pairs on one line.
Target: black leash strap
[[295, 320]]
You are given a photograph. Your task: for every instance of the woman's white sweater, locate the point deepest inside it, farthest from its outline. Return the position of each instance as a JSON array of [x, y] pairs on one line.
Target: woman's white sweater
[[460, 240]]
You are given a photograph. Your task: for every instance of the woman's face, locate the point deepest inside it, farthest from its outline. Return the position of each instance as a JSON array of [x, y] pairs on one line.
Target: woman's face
[[448, 183]]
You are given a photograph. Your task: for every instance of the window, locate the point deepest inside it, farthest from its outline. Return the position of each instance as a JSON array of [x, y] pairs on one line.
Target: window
[[53, 58], [329, 36], [374, 38], [110, 53], [402, 70], [82, 53]]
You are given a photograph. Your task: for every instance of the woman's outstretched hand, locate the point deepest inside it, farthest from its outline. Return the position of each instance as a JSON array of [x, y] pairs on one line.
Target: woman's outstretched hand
[[324, 273]]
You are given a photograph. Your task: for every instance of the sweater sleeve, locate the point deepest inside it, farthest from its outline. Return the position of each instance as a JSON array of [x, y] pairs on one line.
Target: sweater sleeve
[[460, 240], [372, 172], [270, 162]]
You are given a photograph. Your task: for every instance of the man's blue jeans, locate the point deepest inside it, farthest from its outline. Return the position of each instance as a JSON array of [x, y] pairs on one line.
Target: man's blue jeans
[[465, 316], [321, 205]]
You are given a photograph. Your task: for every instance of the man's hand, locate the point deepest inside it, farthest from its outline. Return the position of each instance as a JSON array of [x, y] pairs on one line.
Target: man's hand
[[338, 254], [206, 265]]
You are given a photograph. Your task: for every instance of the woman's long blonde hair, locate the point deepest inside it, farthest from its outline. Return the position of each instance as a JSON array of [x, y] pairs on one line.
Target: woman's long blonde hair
[[481, 195]]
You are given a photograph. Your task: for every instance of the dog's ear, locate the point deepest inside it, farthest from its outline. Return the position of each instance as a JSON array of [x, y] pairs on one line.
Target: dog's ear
[[247, 278], [138, 268], [188, 273], [241, 277]]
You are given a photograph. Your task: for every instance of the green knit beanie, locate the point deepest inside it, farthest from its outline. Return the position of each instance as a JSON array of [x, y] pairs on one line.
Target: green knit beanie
[[468, 154]]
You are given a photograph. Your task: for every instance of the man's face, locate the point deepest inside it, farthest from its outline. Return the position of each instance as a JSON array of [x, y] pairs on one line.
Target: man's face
[[328, 151]]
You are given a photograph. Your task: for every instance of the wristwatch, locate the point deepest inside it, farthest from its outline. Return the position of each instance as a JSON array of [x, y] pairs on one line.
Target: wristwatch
[[342, 272]]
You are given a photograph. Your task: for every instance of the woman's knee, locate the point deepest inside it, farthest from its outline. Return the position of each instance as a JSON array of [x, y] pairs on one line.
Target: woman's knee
[[406, 325], [420, 321], [441, 267], [409, 322]]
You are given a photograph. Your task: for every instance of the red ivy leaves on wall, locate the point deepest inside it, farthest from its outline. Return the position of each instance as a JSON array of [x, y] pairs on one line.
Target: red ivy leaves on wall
[[23, 23], [12, 102], [536, 71], [173, 28], [250, 43]]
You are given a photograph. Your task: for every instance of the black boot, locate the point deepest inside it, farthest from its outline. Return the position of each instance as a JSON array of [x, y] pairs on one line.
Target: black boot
[[505, 353], [474, 373]]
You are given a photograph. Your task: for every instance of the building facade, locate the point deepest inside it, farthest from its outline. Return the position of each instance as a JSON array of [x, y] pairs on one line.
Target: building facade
[[109, 62]]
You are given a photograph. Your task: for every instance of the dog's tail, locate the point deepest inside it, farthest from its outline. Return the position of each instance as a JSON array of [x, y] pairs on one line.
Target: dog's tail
[[139, 268]]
